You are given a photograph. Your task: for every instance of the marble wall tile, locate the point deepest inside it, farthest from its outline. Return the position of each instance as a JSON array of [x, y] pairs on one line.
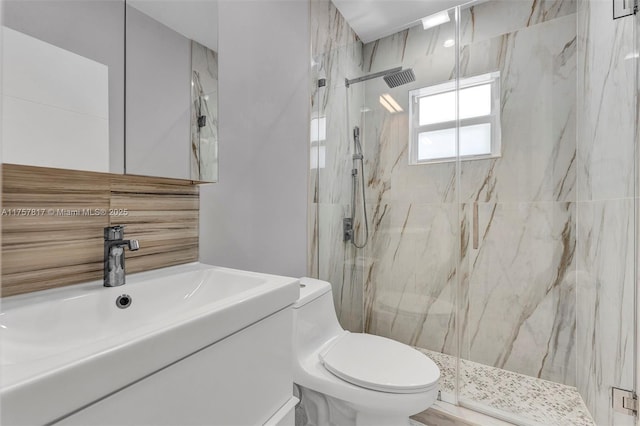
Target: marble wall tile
[[606, 74], [329, 29], [493, 18], [341, 115], [410, 282], [537, 163], [337, 55], [407, 47], [336, 49], [605, 251], [340, 265], [312, 237], [482, 22], [606, 186], [521, 289], [390, 178], [537, 76]]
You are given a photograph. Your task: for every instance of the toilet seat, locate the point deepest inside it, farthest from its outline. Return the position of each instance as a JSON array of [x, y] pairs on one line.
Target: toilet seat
[[378, 363]]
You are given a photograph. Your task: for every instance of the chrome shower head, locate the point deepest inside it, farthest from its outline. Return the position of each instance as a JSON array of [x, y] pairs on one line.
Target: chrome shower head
[[394, 77], [399, 78]]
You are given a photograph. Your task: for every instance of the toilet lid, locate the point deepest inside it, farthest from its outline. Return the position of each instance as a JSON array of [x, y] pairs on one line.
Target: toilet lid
[[381, 364]]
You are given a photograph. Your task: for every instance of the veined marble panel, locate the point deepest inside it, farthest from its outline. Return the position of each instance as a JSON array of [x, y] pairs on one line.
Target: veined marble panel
[[538, 94], [607, 103], [606, 159], [479, 23], [340, 264], [538, 99], [313, 258], [337, 54], [339, 109], [410, 280], [329, 29], [605, 257], [493, 18], [521, 289], [390, 178], [407, 47], [336, 49]]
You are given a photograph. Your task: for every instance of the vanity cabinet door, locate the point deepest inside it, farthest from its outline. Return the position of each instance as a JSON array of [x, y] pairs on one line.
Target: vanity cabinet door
[[243, 379]]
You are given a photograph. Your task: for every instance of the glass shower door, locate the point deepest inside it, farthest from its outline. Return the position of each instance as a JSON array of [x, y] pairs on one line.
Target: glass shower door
[[403, 283], [410, 268], [548, 269], [336, 55]]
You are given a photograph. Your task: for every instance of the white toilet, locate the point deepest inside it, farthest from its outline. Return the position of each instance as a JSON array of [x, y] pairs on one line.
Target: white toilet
[[378, 381]]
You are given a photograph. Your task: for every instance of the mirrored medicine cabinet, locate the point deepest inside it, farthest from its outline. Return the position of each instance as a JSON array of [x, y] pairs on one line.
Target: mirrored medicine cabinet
[[112, 86]]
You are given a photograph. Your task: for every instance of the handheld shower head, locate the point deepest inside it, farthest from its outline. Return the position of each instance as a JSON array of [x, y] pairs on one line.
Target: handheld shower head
[[356, 144]]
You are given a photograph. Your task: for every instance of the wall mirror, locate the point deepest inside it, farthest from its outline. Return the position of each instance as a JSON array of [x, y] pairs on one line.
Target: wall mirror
[[172, 88], [63, 84]]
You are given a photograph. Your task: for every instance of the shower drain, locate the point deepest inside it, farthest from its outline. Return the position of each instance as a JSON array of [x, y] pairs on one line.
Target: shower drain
[[123, 301]]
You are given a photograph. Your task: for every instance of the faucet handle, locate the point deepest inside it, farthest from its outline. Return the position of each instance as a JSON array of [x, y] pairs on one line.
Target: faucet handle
[[114, 232], [134, 245]]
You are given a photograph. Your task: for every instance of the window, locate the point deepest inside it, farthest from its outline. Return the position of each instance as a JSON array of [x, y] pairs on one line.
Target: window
[[432, 120], [318, 141]]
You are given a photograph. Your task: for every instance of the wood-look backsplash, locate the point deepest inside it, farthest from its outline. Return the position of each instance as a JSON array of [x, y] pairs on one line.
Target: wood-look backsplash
[[60, 240]]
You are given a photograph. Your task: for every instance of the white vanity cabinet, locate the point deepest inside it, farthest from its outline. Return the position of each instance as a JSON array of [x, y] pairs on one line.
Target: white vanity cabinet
[[196, 345], [243, 379]]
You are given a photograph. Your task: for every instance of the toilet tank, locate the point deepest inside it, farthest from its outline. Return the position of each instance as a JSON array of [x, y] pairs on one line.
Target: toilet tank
[[314, 316]]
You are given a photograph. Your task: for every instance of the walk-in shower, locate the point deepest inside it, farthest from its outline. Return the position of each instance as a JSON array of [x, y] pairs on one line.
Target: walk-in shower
[[501, 197]]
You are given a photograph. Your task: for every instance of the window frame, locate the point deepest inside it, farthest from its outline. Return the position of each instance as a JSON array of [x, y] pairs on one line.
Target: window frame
[[320, 122], [492, 78]]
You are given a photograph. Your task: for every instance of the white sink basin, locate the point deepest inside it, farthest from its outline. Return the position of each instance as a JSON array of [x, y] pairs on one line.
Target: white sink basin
[[68, 347]]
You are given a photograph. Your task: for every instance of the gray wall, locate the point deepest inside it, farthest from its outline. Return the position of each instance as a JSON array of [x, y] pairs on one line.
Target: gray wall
[[93, 29], [158, 73], [255, 217]]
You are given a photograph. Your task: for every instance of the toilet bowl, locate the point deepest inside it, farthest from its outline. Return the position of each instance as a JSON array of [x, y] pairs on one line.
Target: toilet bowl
[[378, 381]]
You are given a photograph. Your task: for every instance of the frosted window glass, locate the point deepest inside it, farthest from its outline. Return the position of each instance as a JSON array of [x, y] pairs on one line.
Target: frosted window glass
[[474, 140], [437, 108], [436, 144], [318, 129], [318, 156], [475, 101]]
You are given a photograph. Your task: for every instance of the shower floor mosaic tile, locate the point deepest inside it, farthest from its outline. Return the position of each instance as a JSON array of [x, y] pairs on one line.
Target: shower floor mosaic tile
[[524, 399]]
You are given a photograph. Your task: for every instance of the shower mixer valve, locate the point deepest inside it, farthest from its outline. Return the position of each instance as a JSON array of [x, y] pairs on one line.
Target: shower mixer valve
[[347, 229]]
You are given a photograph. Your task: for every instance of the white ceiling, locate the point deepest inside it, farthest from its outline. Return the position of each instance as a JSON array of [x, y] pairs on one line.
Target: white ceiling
[[374, 19], [194, 19]]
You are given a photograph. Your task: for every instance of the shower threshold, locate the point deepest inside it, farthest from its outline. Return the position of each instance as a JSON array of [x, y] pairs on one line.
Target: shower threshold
[[510, 397]]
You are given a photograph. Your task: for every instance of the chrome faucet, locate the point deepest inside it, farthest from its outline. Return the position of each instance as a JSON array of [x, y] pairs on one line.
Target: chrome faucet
[[114, 244]]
